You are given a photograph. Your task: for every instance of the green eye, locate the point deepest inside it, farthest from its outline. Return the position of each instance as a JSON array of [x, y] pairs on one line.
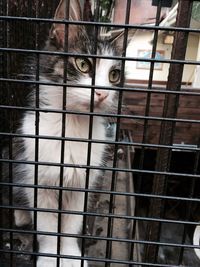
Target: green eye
[[114, 76], [83, 64]]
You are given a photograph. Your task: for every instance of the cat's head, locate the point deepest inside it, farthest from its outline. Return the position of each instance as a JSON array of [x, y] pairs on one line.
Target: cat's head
[[85, 71]]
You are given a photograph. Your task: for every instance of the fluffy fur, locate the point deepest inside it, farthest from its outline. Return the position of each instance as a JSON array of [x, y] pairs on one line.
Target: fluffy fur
[[76, 126]]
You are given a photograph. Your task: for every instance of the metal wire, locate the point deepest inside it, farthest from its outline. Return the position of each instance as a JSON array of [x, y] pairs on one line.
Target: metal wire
[[171, 61], [156, 211]]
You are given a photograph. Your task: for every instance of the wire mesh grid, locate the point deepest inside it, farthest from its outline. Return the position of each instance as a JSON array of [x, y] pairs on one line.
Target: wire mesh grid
[[144, 207]]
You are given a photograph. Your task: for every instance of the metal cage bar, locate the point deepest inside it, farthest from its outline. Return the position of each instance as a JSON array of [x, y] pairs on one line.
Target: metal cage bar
[[151, 180]]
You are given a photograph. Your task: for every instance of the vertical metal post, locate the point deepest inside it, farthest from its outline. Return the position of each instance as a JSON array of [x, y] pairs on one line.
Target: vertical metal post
[[147, 109], [3, 8], [167, 127]]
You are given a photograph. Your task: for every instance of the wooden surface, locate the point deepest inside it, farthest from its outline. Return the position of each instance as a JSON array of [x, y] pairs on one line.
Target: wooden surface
[[188, 108]]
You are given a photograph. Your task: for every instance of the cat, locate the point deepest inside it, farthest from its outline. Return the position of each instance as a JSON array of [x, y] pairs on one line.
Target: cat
[[79, 72]]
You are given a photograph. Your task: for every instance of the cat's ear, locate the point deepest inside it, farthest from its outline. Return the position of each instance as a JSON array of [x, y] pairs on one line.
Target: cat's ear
[[57, 31], [118, 39]]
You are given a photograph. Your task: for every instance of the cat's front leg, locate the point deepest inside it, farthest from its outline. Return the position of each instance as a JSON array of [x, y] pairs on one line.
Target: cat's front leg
[[72, 224], [70, 248], [47, 244], [47, 222]]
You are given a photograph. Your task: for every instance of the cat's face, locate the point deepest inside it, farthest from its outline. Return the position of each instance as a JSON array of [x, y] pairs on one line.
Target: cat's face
[[107, 74], [87, 71]]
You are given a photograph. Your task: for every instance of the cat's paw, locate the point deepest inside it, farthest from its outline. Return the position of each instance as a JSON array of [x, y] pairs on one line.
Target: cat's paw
[[46, 262], [22, 217], [52, 262], [72, 263]]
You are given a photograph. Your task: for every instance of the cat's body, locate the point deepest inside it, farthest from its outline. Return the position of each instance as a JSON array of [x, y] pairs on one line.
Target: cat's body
[[50, 125], [75, 153]]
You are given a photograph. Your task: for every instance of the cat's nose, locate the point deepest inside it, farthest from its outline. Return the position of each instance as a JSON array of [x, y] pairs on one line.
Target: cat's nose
[[101, 95]]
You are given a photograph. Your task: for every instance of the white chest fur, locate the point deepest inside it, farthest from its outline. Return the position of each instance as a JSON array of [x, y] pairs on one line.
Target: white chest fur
[[75, 152]]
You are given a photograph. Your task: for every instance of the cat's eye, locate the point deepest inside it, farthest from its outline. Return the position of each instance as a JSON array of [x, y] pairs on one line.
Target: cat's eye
[[114, 76], [83, 64]]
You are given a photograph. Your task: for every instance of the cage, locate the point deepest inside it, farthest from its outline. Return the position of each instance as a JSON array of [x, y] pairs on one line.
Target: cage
[[143, 209]]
